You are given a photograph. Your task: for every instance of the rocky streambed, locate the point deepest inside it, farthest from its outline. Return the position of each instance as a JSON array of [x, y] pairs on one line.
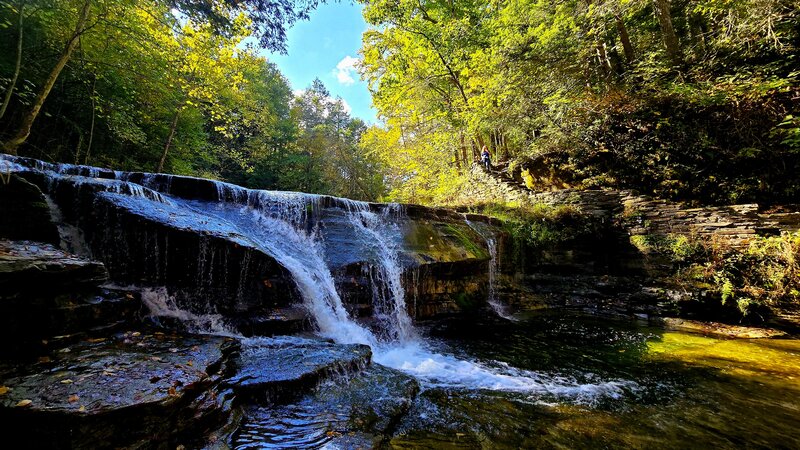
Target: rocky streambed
[[90, 367], [151, 311]]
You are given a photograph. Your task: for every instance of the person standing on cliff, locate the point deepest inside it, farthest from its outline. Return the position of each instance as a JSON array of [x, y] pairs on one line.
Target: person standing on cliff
[[486, 158]]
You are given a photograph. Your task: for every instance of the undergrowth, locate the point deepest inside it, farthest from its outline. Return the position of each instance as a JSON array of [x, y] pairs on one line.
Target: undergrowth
[[541, 225], [763, 275]]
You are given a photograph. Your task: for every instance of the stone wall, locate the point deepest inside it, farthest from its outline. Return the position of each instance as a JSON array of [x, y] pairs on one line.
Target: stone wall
[[638, 214], [609, 273]]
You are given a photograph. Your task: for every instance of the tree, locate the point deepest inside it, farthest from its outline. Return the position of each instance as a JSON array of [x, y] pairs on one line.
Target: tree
[[662, 11], [82, 24], [13, 82], [220, 17]]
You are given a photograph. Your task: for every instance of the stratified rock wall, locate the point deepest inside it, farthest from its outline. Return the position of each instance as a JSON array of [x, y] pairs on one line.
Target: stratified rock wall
[[195, 237]]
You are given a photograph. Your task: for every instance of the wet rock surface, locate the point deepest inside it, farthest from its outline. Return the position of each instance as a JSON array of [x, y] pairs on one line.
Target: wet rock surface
[[720, 330], [115, 391], [25, 213], [359, 411], [33, 267], [279, 368]]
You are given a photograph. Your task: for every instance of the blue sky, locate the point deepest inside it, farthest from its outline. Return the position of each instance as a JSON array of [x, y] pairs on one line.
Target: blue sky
[[326, 47]]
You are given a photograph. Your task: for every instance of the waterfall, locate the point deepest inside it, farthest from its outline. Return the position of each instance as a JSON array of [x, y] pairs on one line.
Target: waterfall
[[287, 226], [388, 293], [279, 222], [491, 242]]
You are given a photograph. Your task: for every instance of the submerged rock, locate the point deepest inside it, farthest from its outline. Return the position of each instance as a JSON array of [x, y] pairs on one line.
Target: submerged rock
[[143, 388], [360, 411], [720, 330]]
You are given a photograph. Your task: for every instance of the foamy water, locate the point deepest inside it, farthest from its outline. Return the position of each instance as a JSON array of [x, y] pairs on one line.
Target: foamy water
[[438, 369]]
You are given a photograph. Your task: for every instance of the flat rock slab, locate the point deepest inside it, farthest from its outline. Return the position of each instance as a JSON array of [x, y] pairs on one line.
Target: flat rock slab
[[351, 412], [110, 391], [27, 266], [720, 329], [282, 367], [30, 324]]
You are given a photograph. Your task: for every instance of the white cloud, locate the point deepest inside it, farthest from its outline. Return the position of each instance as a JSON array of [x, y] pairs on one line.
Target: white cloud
[[346, 105], [346, 70]]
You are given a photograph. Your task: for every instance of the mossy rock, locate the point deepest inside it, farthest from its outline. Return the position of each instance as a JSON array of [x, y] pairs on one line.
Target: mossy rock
[[430, 241]]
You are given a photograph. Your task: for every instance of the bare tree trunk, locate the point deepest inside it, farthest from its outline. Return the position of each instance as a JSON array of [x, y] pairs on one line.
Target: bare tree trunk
[[627, 47], [169, 138], [91, 127], [27, 121], [463, 147], [13, 83], [662, 10], [79, 145]]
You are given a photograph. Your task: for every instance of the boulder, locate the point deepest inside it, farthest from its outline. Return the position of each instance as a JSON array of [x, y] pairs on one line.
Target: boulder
[[276, 369]]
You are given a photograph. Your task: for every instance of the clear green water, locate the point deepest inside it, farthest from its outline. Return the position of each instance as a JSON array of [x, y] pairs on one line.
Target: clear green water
[[692, 391]]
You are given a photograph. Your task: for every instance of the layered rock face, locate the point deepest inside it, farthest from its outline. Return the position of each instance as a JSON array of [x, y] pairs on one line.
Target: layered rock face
[[252, 256]]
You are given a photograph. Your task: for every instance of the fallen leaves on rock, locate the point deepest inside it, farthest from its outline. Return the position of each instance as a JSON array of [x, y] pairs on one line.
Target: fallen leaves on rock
[[24, 403], [3, 390], [73, 398]]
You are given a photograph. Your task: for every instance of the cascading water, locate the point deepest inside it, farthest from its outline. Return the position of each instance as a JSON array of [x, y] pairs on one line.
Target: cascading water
[[277, 222], [285, 226], [388, 292], [491, 242]]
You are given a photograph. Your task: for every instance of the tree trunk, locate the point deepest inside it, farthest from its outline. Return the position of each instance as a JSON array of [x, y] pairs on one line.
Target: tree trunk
[[91, 127], [27, 121], [602, 58], [169, 138], [627, 47], [13, 83], [662, 10], [79, 145]]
